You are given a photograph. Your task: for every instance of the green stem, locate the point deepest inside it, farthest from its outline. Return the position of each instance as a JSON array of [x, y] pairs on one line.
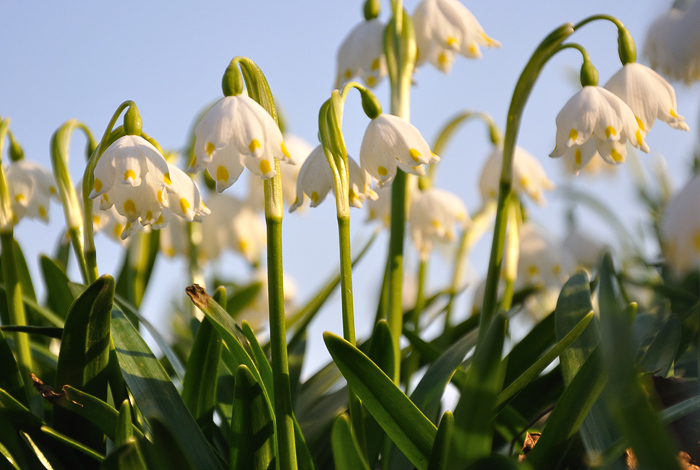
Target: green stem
[[15, 306], [413, 361], [88, 184], [346, 279], [526, 82], [278, 336]]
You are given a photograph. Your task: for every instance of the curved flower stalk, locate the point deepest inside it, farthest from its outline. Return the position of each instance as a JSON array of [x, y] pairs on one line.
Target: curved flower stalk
[[299, 149], [433, 217], [529, 176], [680, 230], [390, 142], [445, 28], [315, 180], [233, 225], [361, 54], [672, 43]]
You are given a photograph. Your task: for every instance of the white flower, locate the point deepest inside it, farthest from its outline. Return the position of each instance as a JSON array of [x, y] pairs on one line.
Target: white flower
[[529, 176], [299, 149], [233, 225], [542, 260], [315, 180], [390, 141], [235, 133], [31, 188], [174, 237], [648, 95], [110, 222], [362, 54], [380, 208], [595, 121], [672, 44], [433, 216], [445, 28], [680, 229], [585, 250], [134, 177]]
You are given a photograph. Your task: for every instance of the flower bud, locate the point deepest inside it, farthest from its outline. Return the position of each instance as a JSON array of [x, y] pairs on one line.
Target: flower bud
[[626, 47], [589, 74], [370, 103], [371, 9], [232, 81], [132, 121], [16, 152]]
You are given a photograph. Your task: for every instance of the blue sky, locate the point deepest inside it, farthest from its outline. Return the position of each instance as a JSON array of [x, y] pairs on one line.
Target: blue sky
[[82, 60]]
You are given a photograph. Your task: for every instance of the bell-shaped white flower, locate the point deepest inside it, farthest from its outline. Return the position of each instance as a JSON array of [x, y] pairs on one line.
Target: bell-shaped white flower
[[672, 43], [110, 222], [529, 176], [680, 229], [134, 177], [31, 188], [233, 225], [649, 96], [361, 54], [390, 141], [315, 180], [299, 149], [235, 133], [433, 216], [174, 237], [445, 28], [584, 250], [541, 259], [595, 120], [379, 209]]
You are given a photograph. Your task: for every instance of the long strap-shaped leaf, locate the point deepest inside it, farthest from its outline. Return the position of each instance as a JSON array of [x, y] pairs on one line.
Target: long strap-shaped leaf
[[400, 418], [156, 396], [346, 449]]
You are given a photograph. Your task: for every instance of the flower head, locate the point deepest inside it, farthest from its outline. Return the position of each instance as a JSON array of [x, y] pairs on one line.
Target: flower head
[[362, 54], [648, 95], [235, 133], [390, 141], [595, 121], [445, 28], [680, 230], [673, 43], [134, 177], [31, 188], [316, 180], [234, 225], [528, 175], [434, 214], [542, 260]]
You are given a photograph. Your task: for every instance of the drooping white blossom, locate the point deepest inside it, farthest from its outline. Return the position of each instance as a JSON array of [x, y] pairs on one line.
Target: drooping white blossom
[[649, 96], [445, 28], [529, 176], [596, 122], [680, 229], [390, 141], [542, 260], [236, 133], [31, 188], [361, 54], [672, 43], [434, 214]]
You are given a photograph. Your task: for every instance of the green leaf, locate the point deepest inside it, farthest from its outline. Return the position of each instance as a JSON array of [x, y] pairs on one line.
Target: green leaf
[[33, 308], [498, 462], [23, 274], [242, 297], [400, 418], [346, 449], [568, 414], [534, 371], [72, 443], [10, 376], [660, 354], [538, 340], [13, 451], [59, 296], [381, 352], [628, 400], [166, 452], [202, 372], [473, 436], [441, 445], [252, 425], [48, 331], [125, 457], [84, 357], [125, 429], [156, 396], [597, 431], [42, 452], [261, 362]]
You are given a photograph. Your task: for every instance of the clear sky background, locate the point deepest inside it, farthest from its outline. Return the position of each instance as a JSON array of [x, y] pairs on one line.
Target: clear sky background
[[63, 60]]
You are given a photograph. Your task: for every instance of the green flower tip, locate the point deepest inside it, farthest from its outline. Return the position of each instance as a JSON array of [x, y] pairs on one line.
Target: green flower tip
[[232, 81], [370, 103], [371, 9], [589, 74], [132, 121], [626, 47], [16, 152]]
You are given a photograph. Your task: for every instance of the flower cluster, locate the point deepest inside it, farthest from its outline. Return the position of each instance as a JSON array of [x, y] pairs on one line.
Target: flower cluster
[[31, 188], [528, 175], [433, 216]]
